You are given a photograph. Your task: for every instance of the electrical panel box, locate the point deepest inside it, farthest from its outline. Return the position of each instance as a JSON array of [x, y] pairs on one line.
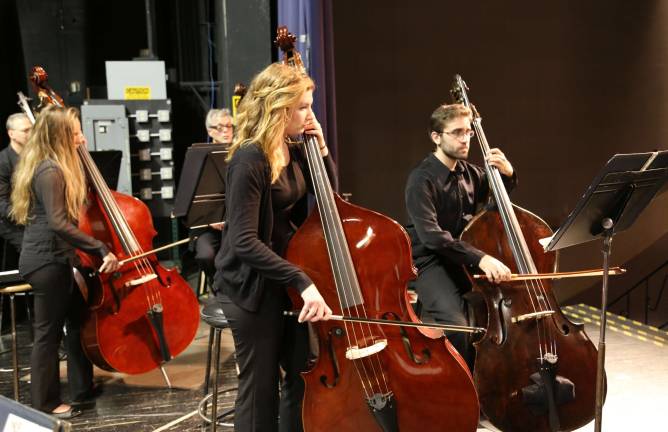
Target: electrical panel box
[[150, 150]]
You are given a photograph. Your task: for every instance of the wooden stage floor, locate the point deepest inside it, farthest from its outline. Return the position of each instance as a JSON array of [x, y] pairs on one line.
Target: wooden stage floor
[[637, 369]]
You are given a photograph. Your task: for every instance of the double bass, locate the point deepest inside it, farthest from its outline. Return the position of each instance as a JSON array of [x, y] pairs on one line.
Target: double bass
[[370, 377], [142, 315], [534, 370]]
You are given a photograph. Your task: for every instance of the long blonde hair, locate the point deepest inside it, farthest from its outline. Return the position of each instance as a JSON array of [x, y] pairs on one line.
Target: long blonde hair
[[265, 110], [52, 137]]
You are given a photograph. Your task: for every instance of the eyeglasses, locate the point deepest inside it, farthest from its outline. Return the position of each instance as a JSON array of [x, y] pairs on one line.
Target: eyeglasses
[[222, 127], [460, 133]]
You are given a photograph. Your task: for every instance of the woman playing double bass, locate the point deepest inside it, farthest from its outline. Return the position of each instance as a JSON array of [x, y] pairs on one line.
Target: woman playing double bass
[[49, 192], [267, 184]]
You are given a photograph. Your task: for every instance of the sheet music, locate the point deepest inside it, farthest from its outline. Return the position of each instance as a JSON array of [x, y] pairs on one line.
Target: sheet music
[[545, 241]]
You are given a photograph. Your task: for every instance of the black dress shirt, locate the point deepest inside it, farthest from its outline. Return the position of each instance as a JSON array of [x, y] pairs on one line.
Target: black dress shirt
[[50, 236], [440, 203], [8, 229], [247, 254]]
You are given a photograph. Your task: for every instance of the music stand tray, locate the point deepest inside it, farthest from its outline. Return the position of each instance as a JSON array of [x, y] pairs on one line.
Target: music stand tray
[[611, 204], [621, 191]]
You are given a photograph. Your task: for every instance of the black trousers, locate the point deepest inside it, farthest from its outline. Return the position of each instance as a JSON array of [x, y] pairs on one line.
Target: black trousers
[[206, 248], [57, 302], [441, 292], [265, 340]]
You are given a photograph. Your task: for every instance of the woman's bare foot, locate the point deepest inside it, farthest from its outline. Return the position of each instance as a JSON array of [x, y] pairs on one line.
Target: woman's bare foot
[[65, 411], [61, 409]]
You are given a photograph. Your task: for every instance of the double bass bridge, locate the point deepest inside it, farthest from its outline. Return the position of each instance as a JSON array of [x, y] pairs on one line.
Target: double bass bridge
[[141, 280], [355, 352], [532, 316]]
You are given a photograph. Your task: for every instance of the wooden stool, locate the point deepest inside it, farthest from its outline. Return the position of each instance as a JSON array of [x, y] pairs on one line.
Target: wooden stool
[[11, 291]]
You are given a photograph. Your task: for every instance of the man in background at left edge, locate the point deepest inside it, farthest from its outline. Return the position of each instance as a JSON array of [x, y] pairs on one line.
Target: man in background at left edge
[[18, 129]]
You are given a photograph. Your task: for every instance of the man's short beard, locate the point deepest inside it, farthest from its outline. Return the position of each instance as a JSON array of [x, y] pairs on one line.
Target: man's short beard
[[453, 156]]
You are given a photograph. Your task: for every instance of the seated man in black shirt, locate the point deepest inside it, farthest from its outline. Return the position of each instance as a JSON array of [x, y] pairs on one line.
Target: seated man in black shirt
[[220, 128], [443, 193], [18, 129]]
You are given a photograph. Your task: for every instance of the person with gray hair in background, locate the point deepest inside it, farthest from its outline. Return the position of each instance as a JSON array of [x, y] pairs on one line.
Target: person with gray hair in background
[[219, 126], [18, 129]]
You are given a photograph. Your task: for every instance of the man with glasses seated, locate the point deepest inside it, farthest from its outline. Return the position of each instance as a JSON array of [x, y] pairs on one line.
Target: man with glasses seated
[[219, 126], [18, 129], [443, 193]]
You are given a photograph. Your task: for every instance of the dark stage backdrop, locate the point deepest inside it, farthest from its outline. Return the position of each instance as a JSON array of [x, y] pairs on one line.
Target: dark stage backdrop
[[561, 86]]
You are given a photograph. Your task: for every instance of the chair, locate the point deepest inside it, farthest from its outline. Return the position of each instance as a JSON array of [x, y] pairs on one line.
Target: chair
[[213, 315], [12, 291]]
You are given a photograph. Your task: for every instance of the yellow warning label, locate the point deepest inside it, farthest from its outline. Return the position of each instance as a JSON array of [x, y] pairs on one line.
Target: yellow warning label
[[137, 93], [235, 103]]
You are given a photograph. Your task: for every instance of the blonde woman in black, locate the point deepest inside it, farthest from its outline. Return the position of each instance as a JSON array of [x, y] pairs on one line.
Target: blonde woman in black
[[49, 191], [266, 200]]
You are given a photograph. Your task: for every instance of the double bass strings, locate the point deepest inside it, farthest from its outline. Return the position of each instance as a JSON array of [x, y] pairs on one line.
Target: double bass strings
[[345, 278], [123, 231], [331, 224], [346, 282], [535, 290]]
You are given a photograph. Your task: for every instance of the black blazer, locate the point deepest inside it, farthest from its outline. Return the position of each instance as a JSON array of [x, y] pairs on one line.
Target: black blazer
[[245, 258]]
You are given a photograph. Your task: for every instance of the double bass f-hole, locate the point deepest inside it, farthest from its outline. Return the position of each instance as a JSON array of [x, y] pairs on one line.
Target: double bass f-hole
[[415, 358], [332, 336]]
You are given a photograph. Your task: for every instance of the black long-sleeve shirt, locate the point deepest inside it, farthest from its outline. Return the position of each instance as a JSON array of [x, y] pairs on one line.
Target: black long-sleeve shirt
[[248, 254], [8, 160], [50, 236], [8, 229], [440, 203]]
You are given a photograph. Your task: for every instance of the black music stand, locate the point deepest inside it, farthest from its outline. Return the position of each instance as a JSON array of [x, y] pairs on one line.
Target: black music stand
[[613, 201], [200, 197]]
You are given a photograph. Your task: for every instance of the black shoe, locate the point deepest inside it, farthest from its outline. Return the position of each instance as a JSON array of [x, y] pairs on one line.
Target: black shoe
[[70, 413]]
